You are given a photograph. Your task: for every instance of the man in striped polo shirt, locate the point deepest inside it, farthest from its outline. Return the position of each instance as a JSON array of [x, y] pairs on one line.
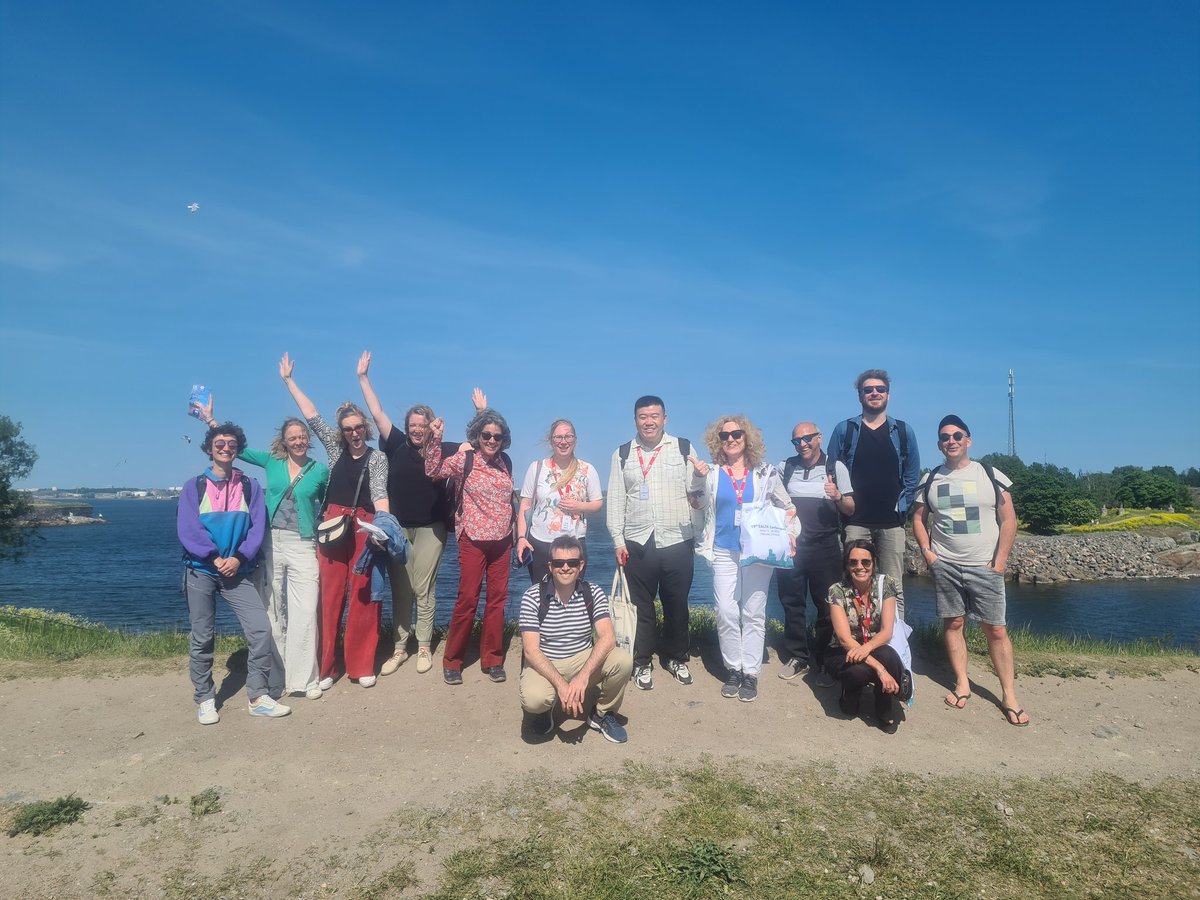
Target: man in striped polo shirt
[[563, 660]]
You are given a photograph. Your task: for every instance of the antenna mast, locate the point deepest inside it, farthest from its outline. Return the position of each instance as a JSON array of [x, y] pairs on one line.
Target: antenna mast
[[1012, 428]]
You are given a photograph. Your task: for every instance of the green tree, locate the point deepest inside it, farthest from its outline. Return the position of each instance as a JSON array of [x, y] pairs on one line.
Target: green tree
[[1079, 511], [16, 461], [1144, 490], [1040, 499]]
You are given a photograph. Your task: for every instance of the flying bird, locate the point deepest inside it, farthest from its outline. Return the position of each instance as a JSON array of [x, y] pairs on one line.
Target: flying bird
[[193, 207], [188, 438]]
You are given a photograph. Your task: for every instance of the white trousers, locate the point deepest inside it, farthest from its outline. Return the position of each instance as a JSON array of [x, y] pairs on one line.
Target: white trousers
[[288, 581], [741, 601]]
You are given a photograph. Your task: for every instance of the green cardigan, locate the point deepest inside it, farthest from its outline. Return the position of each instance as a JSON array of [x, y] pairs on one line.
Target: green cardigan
[[309, 493]]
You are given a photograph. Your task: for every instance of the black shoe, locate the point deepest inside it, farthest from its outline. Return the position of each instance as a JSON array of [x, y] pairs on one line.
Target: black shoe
[[733, 684], [496, 674], [749, 690], [452, 676], [906, 686], [540, 723], [849, 702]]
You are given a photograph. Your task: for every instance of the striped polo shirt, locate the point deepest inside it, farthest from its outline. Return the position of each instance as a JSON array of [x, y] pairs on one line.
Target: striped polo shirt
[[566, 630]]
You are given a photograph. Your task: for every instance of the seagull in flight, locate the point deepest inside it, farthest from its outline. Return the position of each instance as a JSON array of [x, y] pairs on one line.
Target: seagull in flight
[[193, 207], [188, 438]]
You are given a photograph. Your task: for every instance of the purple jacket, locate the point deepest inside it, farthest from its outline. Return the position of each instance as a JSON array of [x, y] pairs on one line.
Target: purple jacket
[[226, 520]]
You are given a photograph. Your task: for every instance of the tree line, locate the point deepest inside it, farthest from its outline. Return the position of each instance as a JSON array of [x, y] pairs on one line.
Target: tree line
[[1045, 495]]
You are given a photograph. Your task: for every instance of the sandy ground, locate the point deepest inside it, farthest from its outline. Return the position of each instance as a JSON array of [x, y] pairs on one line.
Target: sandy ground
[[326, 778]]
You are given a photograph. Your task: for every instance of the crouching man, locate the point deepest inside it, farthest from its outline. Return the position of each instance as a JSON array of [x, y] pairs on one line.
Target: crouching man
[[563, 661]]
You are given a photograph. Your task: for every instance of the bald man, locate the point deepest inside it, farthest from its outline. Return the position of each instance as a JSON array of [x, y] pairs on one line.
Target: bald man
[[820, 489]]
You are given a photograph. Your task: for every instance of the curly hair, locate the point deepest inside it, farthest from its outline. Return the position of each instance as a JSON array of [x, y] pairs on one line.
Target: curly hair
[[224, 428], [350, 408], [756, 450], [877, 374], [483, 418], [279, 448]]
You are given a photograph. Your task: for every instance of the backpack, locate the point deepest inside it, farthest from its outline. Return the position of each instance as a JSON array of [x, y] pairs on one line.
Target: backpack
[[201, 487], [852, 427], [685, 450], [468, 465], [991, 474], [792, 463], [544, 599]]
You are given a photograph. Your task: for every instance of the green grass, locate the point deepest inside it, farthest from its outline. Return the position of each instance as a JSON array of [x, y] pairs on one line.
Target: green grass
[[740, 832], [39, 818], [205, 803]]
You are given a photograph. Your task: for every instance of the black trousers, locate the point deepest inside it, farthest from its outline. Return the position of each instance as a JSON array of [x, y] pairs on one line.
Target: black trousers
[[856, 676], [664, 572], [815, 568]]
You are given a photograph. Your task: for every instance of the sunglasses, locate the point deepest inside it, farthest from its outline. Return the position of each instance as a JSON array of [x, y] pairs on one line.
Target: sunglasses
[[873, 389], [805, 439], [491, 436], [946, 436], [573, 563], [736, 435], [221, 445], [861, 563], [353, 429]]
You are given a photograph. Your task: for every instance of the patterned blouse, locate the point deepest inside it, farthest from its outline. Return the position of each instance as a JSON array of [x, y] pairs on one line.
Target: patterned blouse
[[377, 464], [487, 511], [842, 595]]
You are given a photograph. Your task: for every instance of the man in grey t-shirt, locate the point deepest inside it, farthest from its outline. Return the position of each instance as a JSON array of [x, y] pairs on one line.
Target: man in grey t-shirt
[[965, 525]]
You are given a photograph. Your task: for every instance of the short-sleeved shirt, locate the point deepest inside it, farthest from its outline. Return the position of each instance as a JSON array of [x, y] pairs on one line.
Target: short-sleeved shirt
[[818, 514], [566, 630], [962, 513], [843, 595], [416, 500], [548, 520], [876, 477]]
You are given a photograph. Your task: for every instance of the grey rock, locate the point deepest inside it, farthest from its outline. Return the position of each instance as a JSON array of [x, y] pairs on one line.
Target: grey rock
[[866, 874], [1106, 732]]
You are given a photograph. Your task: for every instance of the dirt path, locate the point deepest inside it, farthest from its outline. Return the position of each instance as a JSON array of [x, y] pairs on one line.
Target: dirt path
[[338, 769]]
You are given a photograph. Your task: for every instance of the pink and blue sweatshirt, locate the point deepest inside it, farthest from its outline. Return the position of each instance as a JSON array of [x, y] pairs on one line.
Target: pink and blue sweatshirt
[[221, 523]]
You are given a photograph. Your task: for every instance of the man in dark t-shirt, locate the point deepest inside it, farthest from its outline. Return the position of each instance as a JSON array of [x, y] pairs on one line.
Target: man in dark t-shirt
[[881, 454]]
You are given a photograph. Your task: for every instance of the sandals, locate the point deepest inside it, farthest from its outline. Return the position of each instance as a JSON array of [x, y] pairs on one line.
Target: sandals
[[1014, 716], [960, 700]]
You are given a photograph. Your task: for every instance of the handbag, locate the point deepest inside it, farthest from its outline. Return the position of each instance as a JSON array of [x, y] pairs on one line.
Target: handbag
[[331, 532], [899, 642], [765, 537], [622, 611]]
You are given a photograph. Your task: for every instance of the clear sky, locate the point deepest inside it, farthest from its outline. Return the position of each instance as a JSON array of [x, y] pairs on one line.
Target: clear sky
[[736, 206]]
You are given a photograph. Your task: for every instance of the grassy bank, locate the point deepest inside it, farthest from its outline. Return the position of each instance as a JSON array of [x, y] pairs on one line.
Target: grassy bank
[[41, 642]]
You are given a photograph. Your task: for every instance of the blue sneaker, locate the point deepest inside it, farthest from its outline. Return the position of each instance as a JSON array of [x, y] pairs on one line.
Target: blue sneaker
[[608, 726]]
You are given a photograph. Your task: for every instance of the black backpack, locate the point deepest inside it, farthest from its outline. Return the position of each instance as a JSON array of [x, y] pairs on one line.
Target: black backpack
[[991, 474], [544, 599], [792, 463], [685, 450], [852, 427]]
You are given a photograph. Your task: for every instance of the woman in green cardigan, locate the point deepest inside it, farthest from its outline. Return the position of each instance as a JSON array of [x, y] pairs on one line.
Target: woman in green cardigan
[[287, 578]]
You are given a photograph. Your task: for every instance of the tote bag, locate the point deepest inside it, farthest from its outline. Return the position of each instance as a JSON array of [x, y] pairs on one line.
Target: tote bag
[[899, 642], [764, 537], [622, 610]]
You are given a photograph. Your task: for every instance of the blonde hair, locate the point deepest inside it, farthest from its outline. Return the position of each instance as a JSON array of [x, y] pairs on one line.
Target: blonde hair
[[279, 448], [756, 450], [569, 472], [348, 409]]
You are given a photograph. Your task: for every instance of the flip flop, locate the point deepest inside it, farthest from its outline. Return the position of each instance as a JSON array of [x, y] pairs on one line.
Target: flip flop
[[960, 700], [1014, 716]]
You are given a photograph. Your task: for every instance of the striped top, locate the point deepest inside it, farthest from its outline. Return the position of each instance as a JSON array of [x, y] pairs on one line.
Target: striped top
[[566, 630]]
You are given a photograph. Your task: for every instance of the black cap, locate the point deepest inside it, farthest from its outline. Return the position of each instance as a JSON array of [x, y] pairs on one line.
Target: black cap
[[954, 420]]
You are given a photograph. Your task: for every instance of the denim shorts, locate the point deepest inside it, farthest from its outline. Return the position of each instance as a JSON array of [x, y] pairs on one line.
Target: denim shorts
[[976, 591]]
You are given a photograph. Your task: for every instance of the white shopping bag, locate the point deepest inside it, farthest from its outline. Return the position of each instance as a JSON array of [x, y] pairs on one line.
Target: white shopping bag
[[764, 536], [622, 610]]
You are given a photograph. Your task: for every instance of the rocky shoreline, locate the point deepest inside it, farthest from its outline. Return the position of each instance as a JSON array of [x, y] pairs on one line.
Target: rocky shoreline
[[1092, 557]]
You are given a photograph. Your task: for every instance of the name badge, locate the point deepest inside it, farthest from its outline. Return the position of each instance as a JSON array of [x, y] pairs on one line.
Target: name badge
[[644, 492], [737, 519]]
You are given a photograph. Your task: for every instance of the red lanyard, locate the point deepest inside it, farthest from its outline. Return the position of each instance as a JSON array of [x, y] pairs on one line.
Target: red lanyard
[[864, 617], [738, 489], [565, 490], [642, 462]]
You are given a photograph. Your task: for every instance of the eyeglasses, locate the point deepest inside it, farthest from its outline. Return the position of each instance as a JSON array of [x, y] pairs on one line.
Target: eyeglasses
[[573, 563], [861, 563], [353, 429], [563, 438], [736, 435], [221, 445], [805, 439], [947, 436], [491, 436], [873, 389]]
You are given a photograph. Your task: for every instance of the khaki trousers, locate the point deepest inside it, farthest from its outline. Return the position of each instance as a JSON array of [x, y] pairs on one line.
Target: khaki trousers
[[537, 694], [415, 582]]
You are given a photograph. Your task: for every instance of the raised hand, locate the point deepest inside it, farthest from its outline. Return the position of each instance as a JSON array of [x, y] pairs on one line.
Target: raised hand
[[286, 367], [479, 400], [437, 428], [364, 363], [699, 465]]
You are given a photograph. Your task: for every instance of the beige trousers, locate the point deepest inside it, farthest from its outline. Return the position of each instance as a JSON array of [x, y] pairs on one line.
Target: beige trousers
[[537, 694], [415, 582]]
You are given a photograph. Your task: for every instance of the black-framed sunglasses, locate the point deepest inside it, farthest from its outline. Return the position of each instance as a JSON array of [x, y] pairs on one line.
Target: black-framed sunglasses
[[491, 436], [860, 563], [736, 435], [353, 429], [946, 436], [805, 439], [873, 389], [573, 562]]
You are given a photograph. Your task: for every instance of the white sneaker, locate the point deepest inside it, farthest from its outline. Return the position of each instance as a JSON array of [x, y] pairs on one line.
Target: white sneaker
[[392, 663], [208, 713], [424, 660], [325, 684], [367, 681], [265, 707], [313, 693]]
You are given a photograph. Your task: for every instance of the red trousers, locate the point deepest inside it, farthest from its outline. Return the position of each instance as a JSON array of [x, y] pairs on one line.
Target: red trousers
[[337, 580], [475, 558]]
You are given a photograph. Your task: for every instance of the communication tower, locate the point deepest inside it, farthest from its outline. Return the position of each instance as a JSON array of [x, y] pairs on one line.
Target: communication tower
[[1012, 427]]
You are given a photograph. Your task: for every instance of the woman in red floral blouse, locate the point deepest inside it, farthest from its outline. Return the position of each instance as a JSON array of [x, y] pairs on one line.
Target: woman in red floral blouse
[[483, 521]]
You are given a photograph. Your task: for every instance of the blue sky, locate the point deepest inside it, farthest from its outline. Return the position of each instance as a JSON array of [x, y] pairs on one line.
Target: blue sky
[[735, 208]]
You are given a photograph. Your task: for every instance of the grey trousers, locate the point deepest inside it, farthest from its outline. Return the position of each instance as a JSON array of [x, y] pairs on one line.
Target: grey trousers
[[247, 605], [889, 546]]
